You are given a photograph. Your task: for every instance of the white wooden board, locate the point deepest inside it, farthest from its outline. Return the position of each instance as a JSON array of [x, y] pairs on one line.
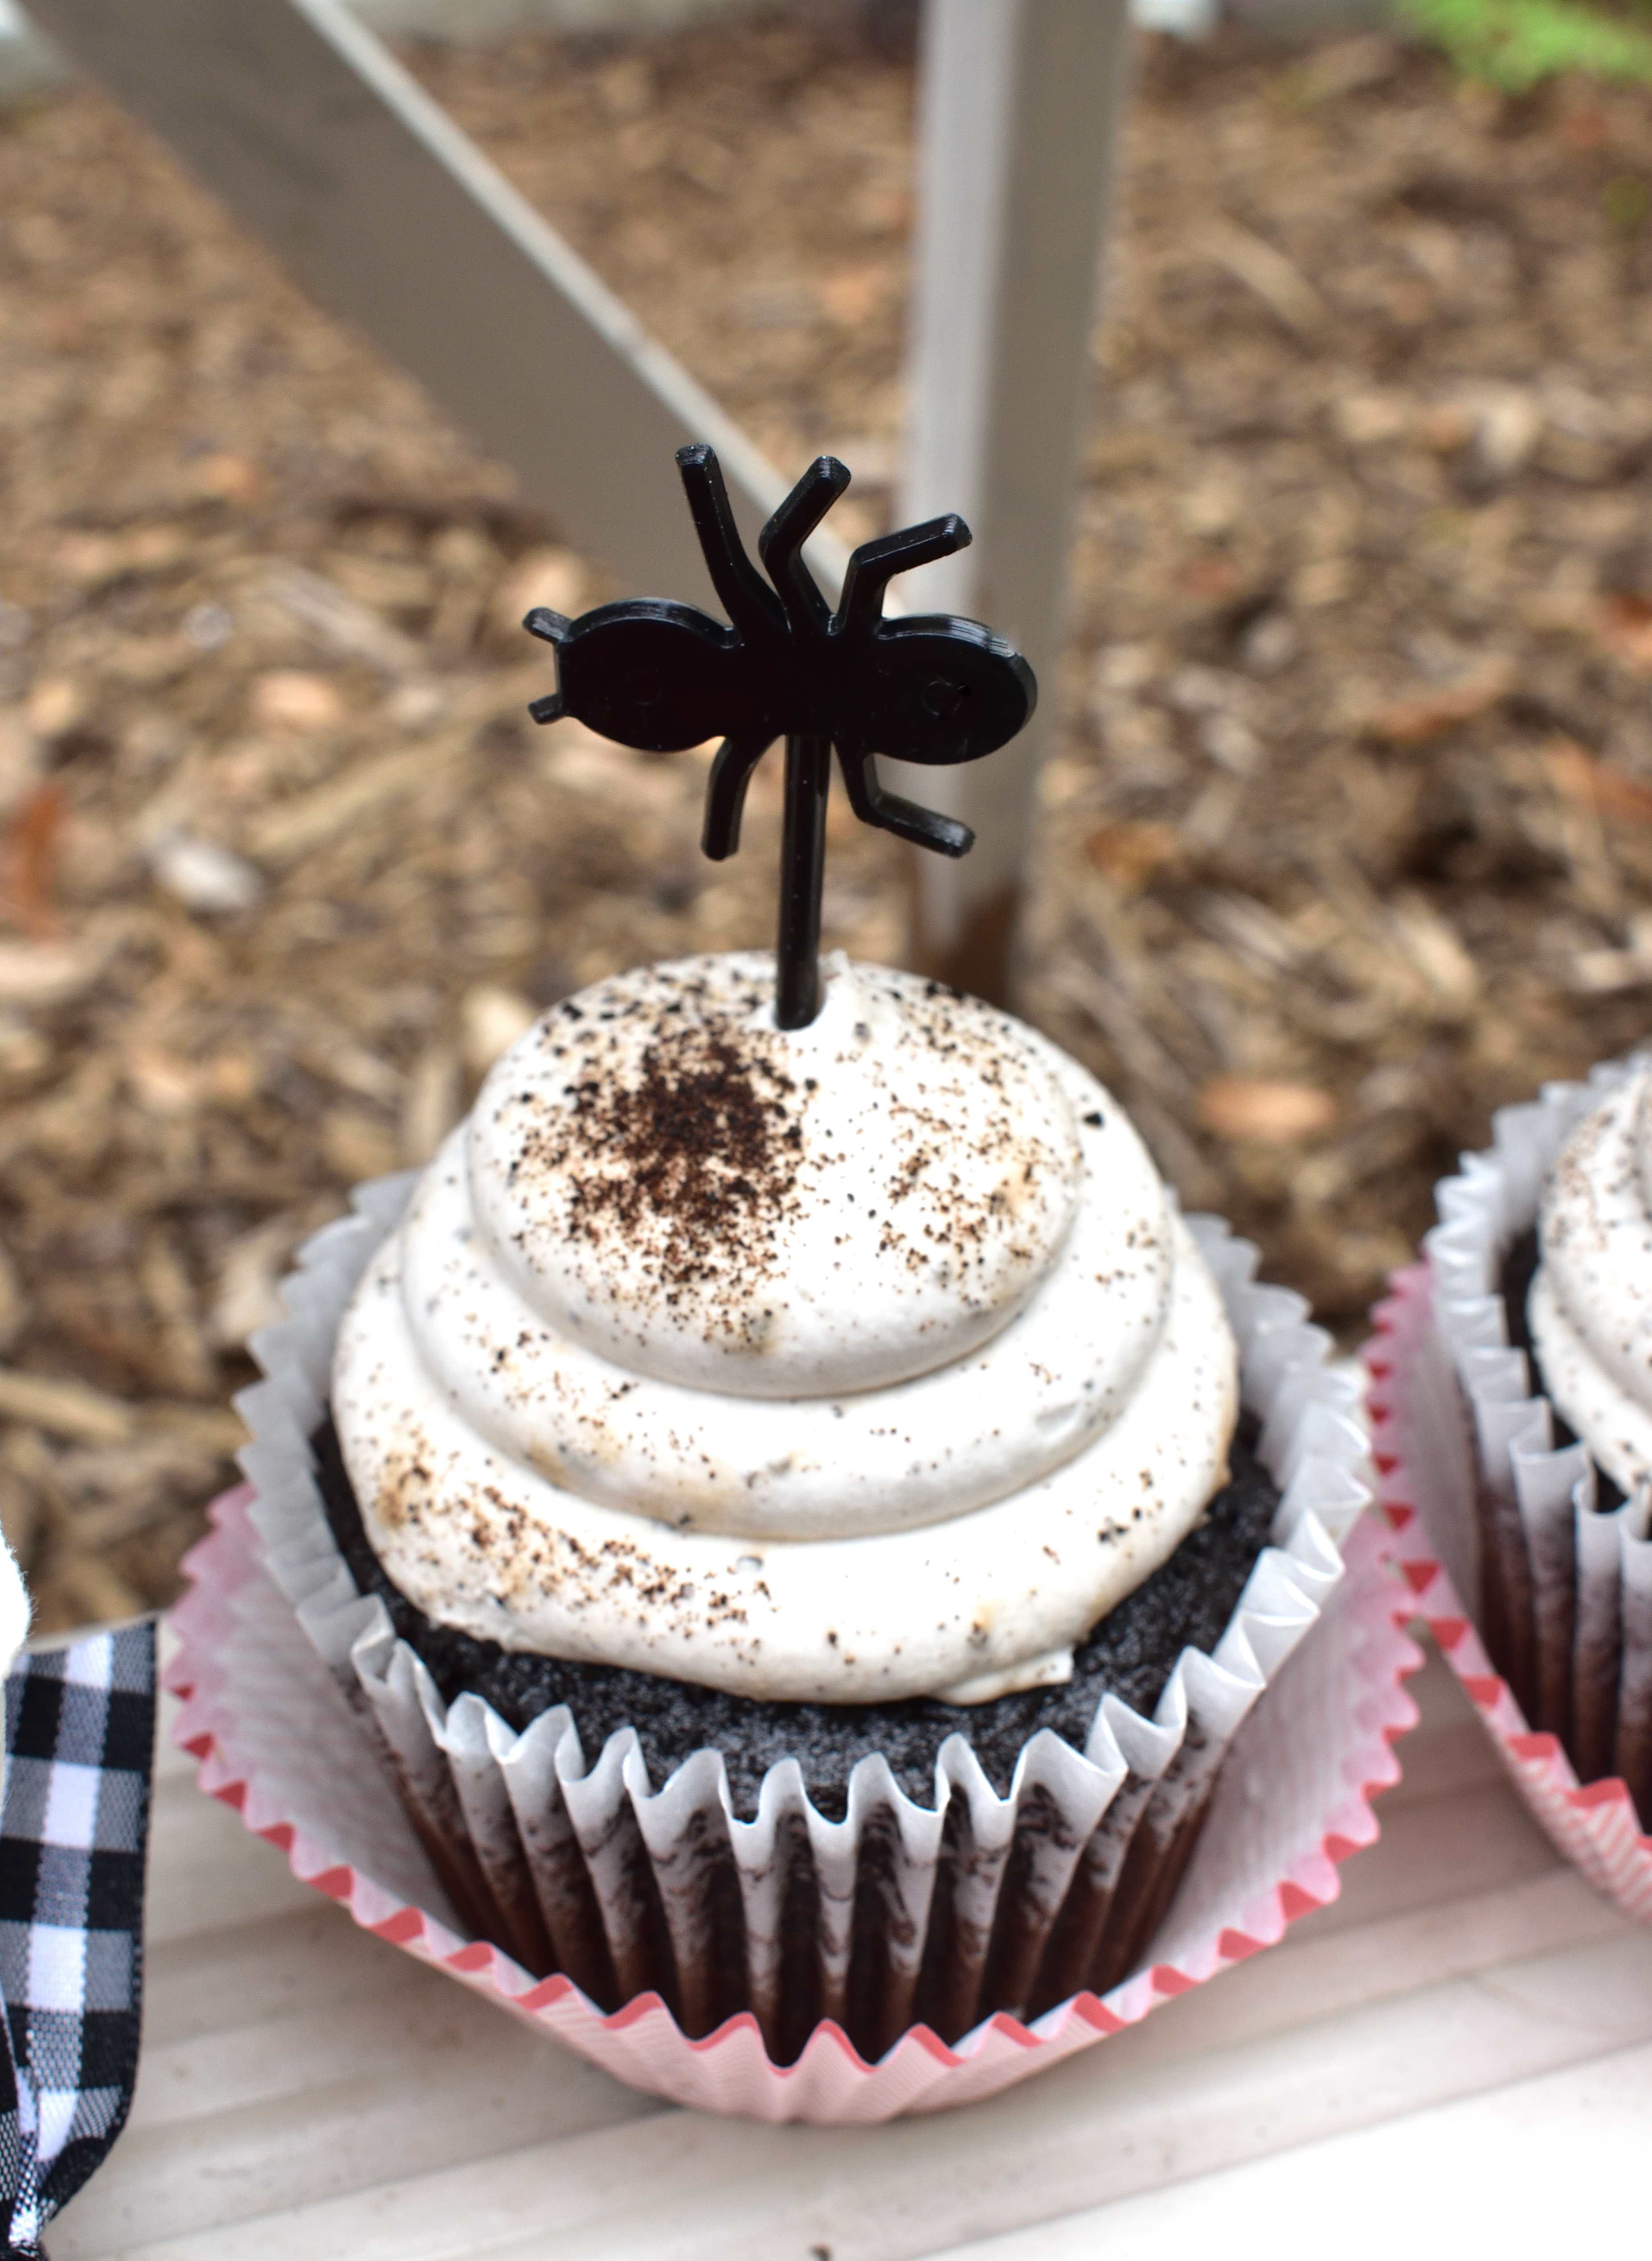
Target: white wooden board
[[306, 2090]]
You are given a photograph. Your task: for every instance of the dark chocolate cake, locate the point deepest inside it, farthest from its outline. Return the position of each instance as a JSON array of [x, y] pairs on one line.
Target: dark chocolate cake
[[1187, 1602]]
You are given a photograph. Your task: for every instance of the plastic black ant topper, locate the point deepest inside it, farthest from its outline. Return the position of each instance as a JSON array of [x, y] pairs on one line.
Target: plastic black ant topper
[[928, 688]]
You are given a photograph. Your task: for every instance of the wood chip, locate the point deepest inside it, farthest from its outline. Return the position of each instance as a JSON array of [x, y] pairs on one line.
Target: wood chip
[[1625, 630], [1415, 721], [286, 699], [854, 294], [246, 1296], [357, 1146], [1434, 948], [340, 623], [54, 705], [552, 576], [14, 1307], [1347, 65], [293, 828], [1275, 1114], [20, 1516], [434, 1102], [45, 972], [1579, 777], [163, 1083], [1601, 972], [67, 1409], [96, 1591], [351, 1067], [1507, 427], [30, 851], [211, 1429], [1366, 419], [204, 875], [1130, 854], [190, 1368], [225, 477], [489, 1021], [1278, 281]]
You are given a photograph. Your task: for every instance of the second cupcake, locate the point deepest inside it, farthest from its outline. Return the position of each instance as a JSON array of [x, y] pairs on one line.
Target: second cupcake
[[1541, 1281]]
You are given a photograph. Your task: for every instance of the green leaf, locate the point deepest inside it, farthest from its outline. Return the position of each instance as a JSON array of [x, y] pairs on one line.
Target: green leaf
[[1515, 43]]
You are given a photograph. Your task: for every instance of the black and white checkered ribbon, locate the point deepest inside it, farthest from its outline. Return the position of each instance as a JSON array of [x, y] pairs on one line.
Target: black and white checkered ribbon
[[74, 1825]]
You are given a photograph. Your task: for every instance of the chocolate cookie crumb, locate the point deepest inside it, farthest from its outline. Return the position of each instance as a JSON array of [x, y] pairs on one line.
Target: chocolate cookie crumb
[[693, 1164]]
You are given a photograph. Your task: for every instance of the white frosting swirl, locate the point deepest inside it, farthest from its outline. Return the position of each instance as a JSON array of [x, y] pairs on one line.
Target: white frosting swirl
[[1590, 1304], [671, 1181], [916, 1187]]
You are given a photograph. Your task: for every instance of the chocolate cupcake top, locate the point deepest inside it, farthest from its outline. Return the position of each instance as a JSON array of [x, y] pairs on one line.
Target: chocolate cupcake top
[[1589, 1309], [857, 1361]]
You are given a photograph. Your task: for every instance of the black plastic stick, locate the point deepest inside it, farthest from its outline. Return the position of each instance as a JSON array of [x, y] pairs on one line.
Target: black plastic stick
[[809, 771]]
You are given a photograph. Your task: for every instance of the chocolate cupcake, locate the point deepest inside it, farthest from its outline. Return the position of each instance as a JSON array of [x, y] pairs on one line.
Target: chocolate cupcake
[[1542, 1273], [816, 1694], [775, 1484]]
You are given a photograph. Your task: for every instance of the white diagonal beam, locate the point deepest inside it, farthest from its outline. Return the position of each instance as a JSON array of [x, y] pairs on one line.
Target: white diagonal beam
[[314, 136], [1018, 117]]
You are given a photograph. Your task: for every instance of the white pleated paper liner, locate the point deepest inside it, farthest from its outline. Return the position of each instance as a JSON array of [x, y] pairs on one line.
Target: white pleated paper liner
[[666, 1905], [1497, 1529]]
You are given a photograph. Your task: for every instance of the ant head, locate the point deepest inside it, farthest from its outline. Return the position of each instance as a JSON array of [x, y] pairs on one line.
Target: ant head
[[940, 691]]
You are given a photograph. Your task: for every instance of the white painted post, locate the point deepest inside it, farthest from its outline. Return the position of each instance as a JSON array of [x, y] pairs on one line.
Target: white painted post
[[1018, 117], [312, 132]]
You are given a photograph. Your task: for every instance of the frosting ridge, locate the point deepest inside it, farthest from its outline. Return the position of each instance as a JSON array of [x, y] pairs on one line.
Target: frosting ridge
[[700, 1197], [956, 1527]]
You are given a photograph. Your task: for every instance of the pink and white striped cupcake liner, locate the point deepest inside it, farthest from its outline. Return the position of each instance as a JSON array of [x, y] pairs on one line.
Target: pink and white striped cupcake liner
[[277, 1740], [1425, 1449]]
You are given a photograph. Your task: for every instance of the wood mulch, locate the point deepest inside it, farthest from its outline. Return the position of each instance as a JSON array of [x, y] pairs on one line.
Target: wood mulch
[[1349, 831]]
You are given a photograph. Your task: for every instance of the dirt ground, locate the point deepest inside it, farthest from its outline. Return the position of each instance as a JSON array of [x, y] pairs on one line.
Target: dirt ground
[[1349, 832]]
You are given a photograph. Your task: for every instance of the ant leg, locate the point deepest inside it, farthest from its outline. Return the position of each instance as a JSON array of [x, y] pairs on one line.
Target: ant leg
[[781, 543], [925, 828], [740, 587], [875, 564], [726, 792]]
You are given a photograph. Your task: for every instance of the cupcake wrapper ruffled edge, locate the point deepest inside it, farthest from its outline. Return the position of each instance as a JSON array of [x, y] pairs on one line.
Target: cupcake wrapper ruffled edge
[[1466, 1465]]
